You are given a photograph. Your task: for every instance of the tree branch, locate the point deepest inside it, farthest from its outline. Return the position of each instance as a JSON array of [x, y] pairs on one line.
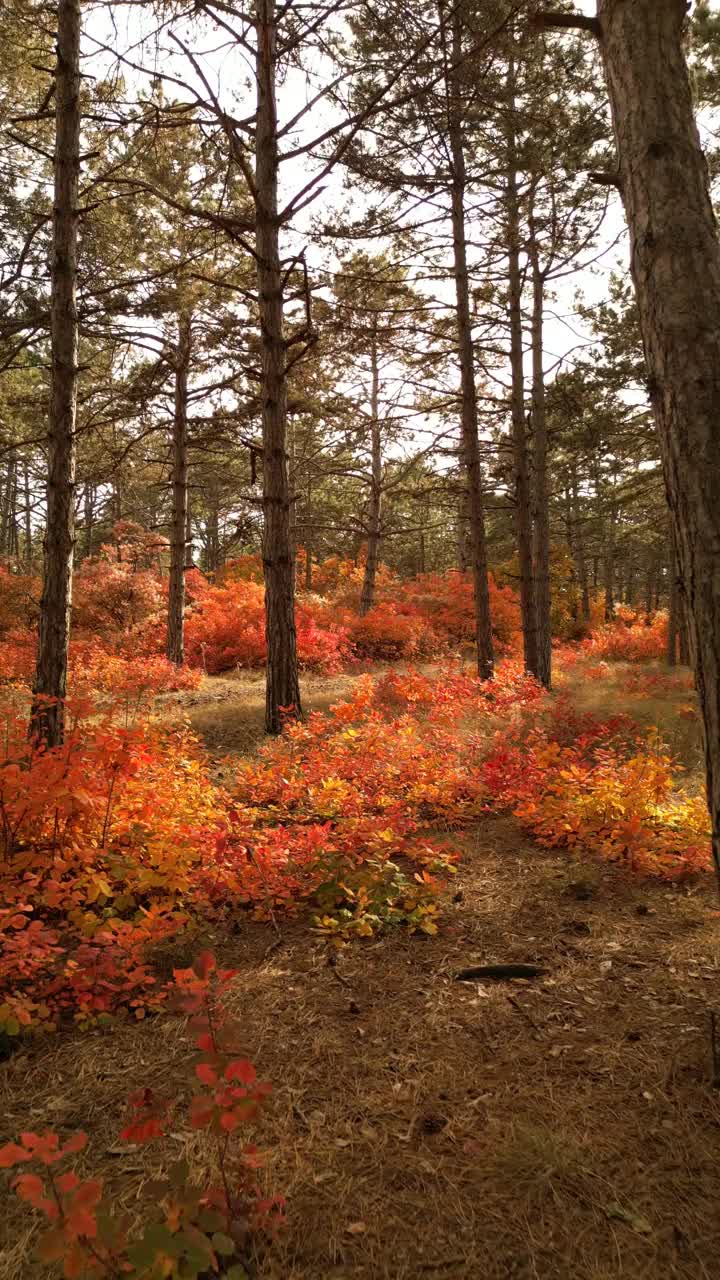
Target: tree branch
[[550, 20], [606, 180]]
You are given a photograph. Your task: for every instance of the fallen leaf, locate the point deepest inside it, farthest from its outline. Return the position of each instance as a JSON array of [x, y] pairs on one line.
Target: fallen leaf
[[632, 1219]]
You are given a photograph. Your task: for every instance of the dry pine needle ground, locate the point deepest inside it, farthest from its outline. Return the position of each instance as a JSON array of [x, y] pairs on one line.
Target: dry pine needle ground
[[422, 1127], [564, 1129]]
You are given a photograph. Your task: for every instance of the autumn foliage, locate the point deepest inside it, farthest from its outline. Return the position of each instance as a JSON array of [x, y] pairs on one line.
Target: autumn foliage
[[191, 1228], [122, 840], [120, 601]]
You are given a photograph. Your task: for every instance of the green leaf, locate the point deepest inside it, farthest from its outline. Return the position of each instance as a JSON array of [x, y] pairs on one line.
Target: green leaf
[[161, 1239], [236, 1272], [223, 1245], [194, 1247]]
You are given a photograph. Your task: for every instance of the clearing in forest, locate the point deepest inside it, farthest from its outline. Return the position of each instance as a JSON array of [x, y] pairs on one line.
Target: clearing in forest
[[560, 1127]]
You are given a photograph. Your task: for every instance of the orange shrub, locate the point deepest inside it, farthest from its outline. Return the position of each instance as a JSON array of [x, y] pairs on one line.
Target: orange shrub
[[19, 599], [225, 628], [446, 602], [629, 638], [387, 633]]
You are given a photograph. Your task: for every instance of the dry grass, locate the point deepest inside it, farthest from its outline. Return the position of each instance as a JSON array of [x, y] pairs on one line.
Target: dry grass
[[672, 711], [565, 1129], [229, 711], [426, 1127]]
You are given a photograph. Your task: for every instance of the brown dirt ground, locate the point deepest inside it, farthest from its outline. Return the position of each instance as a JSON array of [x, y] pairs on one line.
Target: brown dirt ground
[[561, 1129]]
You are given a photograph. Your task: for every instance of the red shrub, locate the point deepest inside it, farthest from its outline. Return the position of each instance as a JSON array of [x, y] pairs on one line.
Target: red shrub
[[629, 638], [225, 628]]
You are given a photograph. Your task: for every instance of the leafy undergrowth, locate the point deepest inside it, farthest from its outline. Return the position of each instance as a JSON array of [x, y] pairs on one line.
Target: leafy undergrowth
[[191, 1229], [120, 609], [122, 840], [123, 850], [420, 1126]]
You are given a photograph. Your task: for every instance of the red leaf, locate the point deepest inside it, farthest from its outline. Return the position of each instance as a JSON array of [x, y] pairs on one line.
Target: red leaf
[[205, 964], [206, 1073], [77, 1143], [201, 1112], [143, 1130], [30, 1187], [67, 1182], [241, 1069], [12, 1154], [43, 1146]]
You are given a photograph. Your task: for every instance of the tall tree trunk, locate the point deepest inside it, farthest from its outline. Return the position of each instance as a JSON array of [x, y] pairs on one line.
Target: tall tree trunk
[[523, 494], [684, 636], [175, 636], [367, 595], [7, 506], [88, 518], [282, 694], [469, 413], [10, 514], [580, 547], [28, 515], [630, 584], [212, 530], [422, 542], [673, 608], [14, 523], [619, 580], [609, 568], [675, 262], [572, 551], [189, 556], [652, 568], [49, 688], [293, 499], [463, 533], [541, 500], [308, 531]]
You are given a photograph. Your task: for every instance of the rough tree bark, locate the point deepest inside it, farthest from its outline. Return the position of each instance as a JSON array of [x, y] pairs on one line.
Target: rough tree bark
[[541, 500], [175, 637], [49, 688], [580, 547], [28, 515], [367, 595], [308, 531], [469, 413], [673, 608], [609, 567], [523, 496], [8, 506], [675, 262], [463, 533], [282, 695]]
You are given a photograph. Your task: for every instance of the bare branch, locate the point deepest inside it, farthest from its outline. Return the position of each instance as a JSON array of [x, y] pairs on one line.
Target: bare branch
[[550, 20]]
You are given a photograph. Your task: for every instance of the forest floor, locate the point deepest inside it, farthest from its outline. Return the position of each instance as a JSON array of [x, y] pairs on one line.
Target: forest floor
[[560, 1129]]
